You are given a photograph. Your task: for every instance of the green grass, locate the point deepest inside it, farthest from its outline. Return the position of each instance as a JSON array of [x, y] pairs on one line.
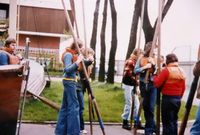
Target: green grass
[[110, 100], [56, 73]]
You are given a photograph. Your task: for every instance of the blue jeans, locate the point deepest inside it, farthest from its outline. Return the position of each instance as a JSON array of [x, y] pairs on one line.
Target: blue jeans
[[68, 118], [81, 108], [169, 111], [195, 130], [149, 100], [128, 91]]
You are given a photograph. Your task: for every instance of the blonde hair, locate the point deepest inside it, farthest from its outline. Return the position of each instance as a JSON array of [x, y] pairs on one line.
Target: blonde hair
[[90, 51]]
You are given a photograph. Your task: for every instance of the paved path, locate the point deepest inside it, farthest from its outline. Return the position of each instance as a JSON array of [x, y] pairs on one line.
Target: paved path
[[48, 129]]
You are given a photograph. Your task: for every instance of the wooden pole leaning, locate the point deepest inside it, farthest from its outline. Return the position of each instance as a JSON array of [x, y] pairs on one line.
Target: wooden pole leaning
[[85, 71], [161, 3], [90, 112], [157, 38], [139, 114], [132, 109], [90, 106], [189, 101], [26, 76], [74, 15]]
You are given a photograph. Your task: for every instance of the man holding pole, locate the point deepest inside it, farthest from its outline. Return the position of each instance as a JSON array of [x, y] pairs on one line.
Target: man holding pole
[[148, 91], [171, 82], [68, 119]]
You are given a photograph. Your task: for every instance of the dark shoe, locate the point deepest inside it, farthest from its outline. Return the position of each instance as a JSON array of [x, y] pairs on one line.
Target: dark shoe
[[139, 125], [125, 125], [154, 131]]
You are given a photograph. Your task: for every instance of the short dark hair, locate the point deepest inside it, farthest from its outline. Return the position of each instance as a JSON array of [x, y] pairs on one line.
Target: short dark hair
[[79, 42], [9, 41], [170, 58], [147, 49]]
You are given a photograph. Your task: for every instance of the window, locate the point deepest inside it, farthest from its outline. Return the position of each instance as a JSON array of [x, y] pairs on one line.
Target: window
[[2, 14]]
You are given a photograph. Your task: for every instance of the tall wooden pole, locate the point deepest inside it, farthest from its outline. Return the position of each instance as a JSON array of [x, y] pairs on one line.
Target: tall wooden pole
[[159, 67], [74, 16], [157, 39], [189, 101]]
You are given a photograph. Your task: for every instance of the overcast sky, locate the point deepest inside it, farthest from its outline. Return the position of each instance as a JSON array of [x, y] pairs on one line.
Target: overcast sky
[[180, 29]]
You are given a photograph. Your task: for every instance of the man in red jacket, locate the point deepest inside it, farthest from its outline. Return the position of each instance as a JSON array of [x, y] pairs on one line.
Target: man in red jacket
[[171, 81]]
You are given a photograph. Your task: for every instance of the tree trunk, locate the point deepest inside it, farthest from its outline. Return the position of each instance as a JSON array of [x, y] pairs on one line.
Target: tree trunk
[[103, 44], [111, 64], [133, 34], [147, 27], [94, 35]]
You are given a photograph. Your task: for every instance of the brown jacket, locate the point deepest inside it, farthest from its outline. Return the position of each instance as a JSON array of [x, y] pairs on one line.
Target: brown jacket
[[198, 91]]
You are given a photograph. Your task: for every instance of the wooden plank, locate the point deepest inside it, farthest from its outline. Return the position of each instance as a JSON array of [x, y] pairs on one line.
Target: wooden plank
[[10, 88]]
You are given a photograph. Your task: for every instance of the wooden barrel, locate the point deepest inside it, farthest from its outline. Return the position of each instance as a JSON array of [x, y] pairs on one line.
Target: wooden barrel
[[11, 77]]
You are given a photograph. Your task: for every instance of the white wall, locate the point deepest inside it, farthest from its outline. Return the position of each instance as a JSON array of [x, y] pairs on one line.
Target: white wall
[[54, 4]]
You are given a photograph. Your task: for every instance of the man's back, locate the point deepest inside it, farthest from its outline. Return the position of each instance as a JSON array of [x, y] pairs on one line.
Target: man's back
[[3, 59]]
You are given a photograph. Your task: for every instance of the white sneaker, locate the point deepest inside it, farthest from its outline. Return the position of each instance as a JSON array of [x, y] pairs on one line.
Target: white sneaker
[[83, 131]]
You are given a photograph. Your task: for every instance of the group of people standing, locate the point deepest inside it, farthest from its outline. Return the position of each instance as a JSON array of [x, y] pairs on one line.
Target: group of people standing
[[170, 82]]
